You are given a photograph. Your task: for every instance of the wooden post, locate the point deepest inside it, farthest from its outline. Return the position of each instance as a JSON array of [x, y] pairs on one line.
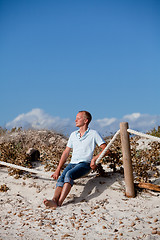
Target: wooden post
[[127, 163]]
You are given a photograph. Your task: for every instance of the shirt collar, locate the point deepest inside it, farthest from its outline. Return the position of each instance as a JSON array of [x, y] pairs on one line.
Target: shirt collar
[[84, 135]]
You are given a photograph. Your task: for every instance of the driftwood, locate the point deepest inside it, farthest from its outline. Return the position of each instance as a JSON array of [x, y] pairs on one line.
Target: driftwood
[[149, 186]]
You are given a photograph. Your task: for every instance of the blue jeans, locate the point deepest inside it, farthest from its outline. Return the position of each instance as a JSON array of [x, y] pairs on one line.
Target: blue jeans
[[72, 172]]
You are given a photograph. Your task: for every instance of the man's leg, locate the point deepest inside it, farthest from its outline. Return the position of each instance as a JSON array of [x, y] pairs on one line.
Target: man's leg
[[77, 171], [58, 190], [70, 173], [55, 199], [65, 190]]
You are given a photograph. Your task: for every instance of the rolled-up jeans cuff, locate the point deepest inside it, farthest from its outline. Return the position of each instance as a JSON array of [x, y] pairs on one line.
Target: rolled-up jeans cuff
[[59, 184], [66, 180]]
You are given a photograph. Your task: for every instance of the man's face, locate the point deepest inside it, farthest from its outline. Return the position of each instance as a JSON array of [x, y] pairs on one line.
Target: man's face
[[80, 119]]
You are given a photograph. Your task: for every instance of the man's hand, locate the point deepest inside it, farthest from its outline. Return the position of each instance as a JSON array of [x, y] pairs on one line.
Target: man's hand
[[63, 159], [56, 174], [93, 164], [93, 161]]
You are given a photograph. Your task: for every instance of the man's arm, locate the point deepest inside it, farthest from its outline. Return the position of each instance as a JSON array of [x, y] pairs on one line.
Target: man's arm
[[93, 161], [63, 159]]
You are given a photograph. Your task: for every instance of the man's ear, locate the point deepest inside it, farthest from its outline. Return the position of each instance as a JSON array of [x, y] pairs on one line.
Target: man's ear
[[86, 120]]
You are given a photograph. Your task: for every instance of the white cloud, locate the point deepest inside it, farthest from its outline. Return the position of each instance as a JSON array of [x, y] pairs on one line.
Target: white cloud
[[106, 121], [132, 116], [142, 122], [38, 119]]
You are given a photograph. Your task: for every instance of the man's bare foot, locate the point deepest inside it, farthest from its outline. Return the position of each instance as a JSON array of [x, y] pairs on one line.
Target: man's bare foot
[[50, 203]]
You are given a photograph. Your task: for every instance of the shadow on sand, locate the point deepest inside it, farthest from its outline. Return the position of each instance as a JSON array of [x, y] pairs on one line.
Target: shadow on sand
[[94, 187]]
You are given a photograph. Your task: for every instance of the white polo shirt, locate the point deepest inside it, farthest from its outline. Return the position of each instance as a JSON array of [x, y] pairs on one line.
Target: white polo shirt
[[83, 147]]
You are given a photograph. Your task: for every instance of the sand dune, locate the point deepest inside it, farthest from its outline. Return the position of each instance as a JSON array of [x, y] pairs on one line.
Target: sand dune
[[96, 208]]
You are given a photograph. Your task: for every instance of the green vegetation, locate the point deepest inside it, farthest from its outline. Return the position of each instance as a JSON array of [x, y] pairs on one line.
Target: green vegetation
[[155, 132], [2, 131], [15, 143]]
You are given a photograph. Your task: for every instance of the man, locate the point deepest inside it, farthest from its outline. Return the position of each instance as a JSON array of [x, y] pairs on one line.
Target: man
[[82, 143]]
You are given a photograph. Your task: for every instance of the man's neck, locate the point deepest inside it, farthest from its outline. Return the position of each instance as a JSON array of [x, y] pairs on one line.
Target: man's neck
[[82, 130]]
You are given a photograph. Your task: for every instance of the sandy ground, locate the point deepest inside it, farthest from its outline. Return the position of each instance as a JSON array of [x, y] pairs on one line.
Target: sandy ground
[[96, 208]]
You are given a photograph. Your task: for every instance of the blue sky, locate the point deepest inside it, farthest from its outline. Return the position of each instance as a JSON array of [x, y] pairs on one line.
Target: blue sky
[[59, 57]]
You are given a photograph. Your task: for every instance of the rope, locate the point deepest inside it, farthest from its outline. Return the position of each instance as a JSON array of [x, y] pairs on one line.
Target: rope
[[24, 169], [130, 131], [107, 147], [144, 135]]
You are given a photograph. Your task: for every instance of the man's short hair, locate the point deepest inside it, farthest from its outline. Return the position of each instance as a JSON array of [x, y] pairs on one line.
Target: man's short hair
[[87, 115]]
